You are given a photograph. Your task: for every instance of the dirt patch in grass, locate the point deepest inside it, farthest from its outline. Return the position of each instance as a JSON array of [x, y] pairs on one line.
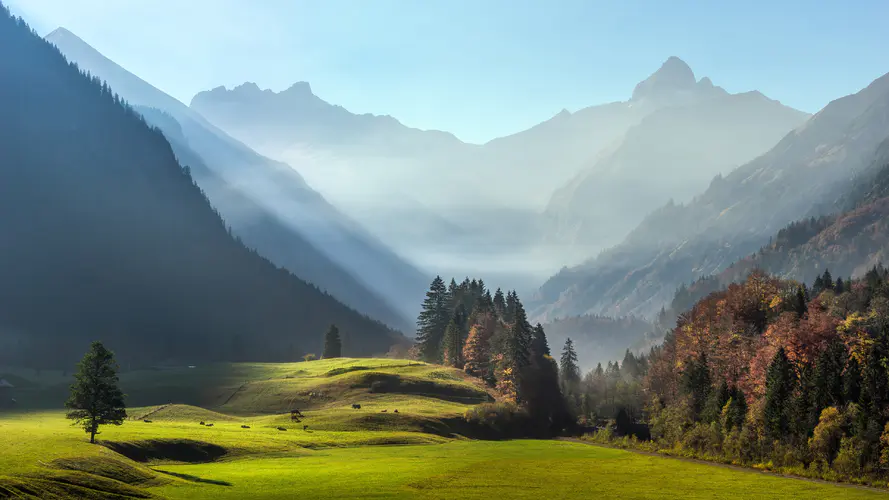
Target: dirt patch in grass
[[168, 450]]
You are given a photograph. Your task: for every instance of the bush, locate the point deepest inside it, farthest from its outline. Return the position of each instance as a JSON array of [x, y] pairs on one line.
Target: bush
[[848, 460], [500, 419], [309, 357]]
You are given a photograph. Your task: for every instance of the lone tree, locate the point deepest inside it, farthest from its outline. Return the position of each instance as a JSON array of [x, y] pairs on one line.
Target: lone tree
[[570, 370], [95, 397], [333, 346]]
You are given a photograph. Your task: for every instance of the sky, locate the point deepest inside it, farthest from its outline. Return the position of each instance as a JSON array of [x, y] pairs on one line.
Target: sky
[[481, 69]]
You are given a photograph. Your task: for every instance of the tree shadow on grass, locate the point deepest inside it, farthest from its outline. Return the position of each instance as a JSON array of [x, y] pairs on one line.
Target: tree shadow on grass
[[194, 479]]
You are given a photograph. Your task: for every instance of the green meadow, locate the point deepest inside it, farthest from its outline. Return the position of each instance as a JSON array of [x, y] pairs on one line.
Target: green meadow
[[254, 450]]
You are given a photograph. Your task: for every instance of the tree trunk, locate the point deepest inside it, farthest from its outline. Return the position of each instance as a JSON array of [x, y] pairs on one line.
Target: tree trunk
[[93, 434]]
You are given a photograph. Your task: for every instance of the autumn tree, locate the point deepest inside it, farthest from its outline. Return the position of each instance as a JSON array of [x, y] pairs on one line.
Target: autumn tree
[[95, 397], [477, 351]]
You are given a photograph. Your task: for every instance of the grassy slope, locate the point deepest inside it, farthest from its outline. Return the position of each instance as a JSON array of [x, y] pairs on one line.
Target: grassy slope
[[44, 455]]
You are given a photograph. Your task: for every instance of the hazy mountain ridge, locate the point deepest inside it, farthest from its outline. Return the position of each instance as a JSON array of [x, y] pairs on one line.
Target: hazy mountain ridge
[[281, 194], [366, 162], [698, 131], [273, 239], [732, 218], [107, 236]]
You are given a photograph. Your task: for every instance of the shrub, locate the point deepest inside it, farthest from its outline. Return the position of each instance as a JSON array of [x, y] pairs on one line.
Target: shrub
[[309, 357], [825, 442], [848, 460], [502, 419]]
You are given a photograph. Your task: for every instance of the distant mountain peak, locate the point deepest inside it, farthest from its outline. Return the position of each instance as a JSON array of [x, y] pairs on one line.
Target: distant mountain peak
[[299, 88], [673, 76]]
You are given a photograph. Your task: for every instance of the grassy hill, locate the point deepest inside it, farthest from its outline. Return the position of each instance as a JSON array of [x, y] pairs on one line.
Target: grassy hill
[[254, 450]]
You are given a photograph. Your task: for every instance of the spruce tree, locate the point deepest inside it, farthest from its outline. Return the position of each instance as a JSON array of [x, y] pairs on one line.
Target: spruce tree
[[539, 345], [568, 369], [510, 313], [828, 377], [852, 381], [715, 403], [780, 387], [452, 344], [433, 320], [696, 383], [95, 397], [333, 344], [500, 305], [800, 303], [827, 280], [840, 287]]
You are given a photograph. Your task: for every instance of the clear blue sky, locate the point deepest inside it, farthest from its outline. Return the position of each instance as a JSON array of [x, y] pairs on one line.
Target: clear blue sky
[[482, 68]]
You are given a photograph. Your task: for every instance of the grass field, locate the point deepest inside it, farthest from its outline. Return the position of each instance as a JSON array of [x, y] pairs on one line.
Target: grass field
[[344, 453]]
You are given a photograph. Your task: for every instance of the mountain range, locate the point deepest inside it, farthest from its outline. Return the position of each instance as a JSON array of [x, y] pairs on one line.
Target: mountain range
[[538, 199], [801, 176], [268, 204]]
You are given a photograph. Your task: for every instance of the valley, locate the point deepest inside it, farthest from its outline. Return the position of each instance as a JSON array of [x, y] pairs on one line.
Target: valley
[[566, 265]]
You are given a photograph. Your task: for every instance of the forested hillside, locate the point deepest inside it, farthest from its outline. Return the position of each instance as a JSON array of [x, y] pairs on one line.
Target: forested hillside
[[267, 203], [107, 237]]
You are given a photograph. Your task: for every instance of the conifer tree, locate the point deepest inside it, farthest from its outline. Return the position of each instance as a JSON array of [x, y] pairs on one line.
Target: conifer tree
[[539, 345], [840, 287], [828, 377], [780, 385], [715, 403], [452, 344], [333, 344], [801, 303], [432, 321], [95, 397], [500, 305], [510, 314], [568, 369], [827, 280], [696, 382], [852, 381]]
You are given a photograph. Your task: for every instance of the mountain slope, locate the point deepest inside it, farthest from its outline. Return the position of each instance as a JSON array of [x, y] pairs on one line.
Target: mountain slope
[[733, 217], [671, 154], [107, 237], [848, 243], [280, 194], [270, 237]]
